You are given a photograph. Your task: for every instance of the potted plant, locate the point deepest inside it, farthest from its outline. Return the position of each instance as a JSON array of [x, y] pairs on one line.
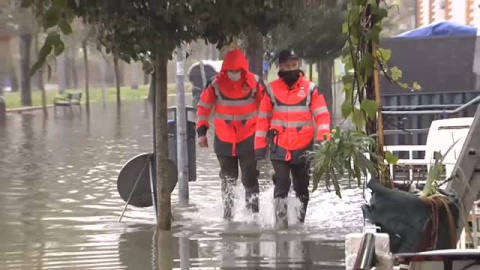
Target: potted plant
[[414, 221]]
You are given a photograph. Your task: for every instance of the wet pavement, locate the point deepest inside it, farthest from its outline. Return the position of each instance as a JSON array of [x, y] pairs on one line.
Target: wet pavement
[[59, 207]]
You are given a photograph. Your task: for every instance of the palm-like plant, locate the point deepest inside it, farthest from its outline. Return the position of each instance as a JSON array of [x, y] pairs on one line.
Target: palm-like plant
[[348, 152]]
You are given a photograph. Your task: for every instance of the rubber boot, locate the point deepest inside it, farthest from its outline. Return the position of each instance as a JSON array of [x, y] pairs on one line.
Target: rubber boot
[[228, 197], [251, 200], [281, 214], [303, 209]]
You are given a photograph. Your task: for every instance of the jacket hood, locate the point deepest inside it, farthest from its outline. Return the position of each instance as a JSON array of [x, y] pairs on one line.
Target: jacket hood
[[235, 60]]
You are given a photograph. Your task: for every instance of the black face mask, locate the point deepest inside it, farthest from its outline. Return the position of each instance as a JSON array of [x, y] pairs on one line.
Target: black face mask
[[289, 77]]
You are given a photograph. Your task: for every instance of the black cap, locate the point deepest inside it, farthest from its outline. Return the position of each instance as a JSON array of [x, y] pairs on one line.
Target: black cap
[[286, 55]]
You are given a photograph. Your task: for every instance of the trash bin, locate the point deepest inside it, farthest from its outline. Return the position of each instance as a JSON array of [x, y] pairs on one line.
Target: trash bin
[[191, 145], [211, 68]]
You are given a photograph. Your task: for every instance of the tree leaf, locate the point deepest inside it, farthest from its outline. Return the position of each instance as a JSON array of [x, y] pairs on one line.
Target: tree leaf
[[49, 72], [381, 14], [385, 54], [396, 73], [367, 63], [374, 33], [348, 64], [416, 86], [370, 107], [65, 27], [51, 18], [345, 28], [58, 45], [390, 158], [36, 66], [59, 4], [358, 119], [69, 14], [347, 79], [26, 3], [346, 108]]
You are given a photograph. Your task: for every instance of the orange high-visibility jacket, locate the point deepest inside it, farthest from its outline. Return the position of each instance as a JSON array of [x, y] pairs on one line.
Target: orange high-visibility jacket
[[236, 107], [291, 116]]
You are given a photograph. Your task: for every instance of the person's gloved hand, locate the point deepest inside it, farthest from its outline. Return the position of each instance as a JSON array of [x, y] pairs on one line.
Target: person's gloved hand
[[203, 141]]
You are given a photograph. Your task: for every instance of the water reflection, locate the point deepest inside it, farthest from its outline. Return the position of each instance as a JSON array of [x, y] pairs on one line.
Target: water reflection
[[59, 205], [168, 251]]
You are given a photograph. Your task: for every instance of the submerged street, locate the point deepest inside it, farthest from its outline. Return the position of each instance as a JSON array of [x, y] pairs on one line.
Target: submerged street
[[60, 208]]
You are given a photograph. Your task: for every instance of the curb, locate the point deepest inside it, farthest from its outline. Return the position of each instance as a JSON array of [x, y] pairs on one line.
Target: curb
[[32, 108], [23, 109]]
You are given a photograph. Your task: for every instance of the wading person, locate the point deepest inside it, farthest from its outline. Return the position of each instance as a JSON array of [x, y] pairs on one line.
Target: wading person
[[291, 114], [234, 94]]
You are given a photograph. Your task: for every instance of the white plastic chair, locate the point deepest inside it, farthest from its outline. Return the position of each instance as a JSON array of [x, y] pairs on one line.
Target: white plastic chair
[[441, 136]]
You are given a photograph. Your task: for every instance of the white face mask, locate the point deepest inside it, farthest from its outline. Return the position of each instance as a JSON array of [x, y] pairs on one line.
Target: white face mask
[[234, 76]]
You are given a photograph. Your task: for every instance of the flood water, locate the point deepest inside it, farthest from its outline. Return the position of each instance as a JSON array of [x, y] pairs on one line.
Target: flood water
[[59, 206]]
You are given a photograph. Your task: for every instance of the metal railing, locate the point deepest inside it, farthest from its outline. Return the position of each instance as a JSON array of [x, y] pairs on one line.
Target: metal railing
[[446, 112], [366, 254]]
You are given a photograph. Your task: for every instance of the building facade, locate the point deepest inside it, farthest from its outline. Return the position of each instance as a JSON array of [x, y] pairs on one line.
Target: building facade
[[459, 11]]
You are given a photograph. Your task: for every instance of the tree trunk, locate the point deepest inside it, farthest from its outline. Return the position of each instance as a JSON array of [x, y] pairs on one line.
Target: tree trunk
[[70, 63], [14, 79], [310, 67], [151, 89], [73, 67], [135, 81], [67, 68], [39, 73], [325, 81], [25, 47], [164, 208], [62, 74], [145, 78], [117, 78], [87, 75], [40, 84], [255, 52]]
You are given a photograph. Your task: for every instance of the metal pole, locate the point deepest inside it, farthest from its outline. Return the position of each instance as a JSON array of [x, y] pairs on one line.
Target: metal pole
[[202, 72], [184, 253], [152, 189], [366, 254], [457, 110], [182, 152]]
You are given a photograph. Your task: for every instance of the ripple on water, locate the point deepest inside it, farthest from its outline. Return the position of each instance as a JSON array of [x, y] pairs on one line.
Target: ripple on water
[[60, 208]]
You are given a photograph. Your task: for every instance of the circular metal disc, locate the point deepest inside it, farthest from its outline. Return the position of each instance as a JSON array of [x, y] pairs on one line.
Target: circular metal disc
[[138, 168]]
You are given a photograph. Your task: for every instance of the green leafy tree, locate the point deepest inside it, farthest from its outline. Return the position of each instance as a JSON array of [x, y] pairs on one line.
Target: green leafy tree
[[316, 35]]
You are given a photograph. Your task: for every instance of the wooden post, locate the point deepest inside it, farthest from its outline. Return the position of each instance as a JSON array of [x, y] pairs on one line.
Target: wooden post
[[373, 93]]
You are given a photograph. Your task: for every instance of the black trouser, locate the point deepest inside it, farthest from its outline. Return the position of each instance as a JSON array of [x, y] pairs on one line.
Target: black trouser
[[300, 176], [229, 175]]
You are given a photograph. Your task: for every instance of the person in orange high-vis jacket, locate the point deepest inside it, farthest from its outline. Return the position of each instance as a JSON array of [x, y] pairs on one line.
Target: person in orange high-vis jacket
[[292, 114], [235, 95]]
